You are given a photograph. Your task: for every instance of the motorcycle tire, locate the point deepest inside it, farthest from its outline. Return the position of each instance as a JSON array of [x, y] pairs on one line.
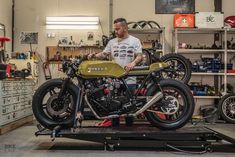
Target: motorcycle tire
[[154, 24], [147, 59], [183, 65], [41, 109], [187, 107], [226, 108]]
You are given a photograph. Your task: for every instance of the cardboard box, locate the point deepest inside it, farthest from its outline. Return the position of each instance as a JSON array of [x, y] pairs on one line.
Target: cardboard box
[[209, 20]]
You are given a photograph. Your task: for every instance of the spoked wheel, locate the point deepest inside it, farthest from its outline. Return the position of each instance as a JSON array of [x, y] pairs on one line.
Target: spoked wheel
[[146, 58], [51, 110], [227, 108], [176, 107], [180, 67]]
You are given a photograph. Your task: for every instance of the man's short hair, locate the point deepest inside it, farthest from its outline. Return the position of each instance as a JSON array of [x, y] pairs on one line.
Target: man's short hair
[[121, 20]]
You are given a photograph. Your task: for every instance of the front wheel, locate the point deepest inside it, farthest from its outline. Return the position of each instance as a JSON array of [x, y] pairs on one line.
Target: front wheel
[[50, 110], [226, 108], [175, 109]]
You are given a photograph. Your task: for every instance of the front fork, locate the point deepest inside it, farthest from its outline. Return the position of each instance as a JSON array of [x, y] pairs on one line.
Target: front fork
[[63, 88], [78, 106]]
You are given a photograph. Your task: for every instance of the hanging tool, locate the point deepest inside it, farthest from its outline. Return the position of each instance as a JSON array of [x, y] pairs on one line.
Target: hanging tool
[[46, 70], [2, 49]]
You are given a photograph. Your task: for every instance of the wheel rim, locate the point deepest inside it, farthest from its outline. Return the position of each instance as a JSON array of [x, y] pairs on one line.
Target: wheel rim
[[177, 69], [228, 108], [177, 107], [146, 59], [54, 108]]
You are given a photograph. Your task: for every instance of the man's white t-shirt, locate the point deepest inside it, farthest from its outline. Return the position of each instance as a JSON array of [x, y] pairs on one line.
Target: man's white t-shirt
[[124, 52]]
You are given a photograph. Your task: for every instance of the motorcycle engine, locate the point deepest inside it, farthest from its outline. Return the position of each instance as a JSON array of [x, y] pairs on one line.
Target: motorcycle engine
[[106, 95]]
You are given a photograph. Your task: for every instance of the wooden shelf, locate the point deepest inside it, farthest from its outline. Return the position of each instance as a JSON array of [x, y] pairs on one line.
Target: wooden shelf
[[51, 51], [199, 50], [79, 46]]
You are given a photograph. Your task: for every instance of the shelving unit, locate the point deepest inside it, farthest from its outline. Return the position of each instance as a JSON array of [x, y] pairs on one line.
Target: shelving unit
[[222, 51], [229, 52], [146, 35]]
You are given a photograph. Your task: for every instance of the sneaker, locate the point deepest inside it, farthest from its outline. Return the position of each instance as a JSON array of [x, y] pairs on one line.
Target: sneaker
[[105, 123]]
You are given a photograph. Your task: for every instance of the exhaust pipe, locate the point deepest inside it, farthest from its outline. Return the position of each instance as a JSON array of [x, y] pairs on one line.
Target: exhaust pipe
[[153, 100]]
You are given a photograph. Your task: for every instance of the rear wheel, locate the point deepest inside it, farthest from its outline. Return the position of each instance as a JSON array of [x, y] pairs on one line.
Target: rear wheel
[[176, 107], [180, 67], [49, 109]]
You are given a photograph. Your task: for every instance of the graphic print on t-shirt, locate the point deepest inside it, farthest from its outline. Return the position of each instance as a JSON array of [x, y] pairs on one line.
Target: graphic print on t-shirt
[[123, 53]]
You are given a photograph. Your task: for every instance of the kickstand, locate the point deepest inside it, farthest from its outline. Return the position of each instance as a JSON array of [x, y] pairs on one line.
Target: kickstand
[[55, 132]]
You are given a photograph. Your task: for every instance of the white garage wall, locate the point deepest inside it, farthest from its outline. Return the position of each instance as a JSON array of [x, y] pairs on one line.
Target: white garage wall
[[135, 10], [5, 18], [228, 7], [30, 15]]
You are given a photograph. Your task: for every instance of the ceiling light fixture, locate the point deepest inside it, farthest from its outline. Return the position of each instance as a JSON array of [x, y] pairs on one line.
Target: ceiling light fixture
[[72, 22]]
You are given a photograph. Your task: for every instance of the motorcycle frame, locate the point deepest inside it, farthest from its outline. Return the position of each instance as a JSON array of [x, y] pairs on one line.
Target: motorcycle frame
[[81, 89]]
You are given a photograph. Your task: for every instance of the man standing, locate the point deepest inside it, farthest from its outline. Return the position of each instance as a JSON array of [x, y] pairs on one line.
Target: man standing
[[126, 51]]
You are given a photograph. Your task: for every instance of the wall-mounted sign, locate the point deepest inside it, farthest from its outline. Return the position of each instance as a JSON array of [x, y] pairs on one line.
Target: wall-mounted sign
[[174, 6]]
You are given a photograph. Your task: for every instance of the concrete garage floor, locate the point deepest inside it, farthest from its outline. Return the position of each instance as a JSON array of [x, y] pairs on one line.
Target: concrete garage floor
[[22, 143]]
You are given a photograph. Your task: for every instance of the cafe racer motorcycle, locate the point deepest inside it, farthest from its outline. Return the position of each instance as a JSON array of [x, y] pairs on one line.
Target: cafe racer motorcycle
[[101, 85]]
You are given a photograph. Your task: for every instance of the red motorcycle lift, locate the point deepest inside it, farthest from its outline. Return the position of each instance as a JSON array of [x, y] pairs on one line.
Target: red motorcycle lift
[[142, 136]]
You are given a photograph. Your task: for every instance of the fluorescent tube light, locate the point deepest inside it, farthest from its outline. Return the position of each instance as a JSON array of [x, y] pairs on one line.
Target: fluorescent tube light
[[72, 27], [73, 18], [72, 22]]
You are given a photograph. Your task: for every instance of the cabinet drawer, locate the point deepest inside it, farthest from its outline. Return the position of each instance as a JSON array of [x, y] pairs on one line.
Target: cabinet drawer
[[6, 101], [6, 119], [6, 109], [16, 99]]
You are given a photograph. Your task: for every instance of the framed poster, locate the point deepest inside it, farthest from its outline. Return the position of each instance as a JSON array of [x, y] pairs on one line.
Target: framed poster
[[174, 6], [90, 36], [29, 37]]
